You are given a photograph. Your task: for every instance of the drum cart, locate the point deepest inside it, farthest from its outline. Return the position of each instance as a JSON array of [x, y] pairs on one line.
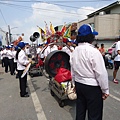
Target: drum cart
[[35, 68], [54, 61], [59, 91]]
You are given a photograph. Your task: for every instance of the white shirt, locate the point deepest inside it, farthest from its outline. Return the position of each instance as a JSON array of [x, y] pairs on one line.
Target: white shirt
[[117, 58], [14, 55], [9, 54], [1, 54], [87, 67], [22, 60], [67, 50], [38, 50], [27, 51], [5, 53], [49, 49]]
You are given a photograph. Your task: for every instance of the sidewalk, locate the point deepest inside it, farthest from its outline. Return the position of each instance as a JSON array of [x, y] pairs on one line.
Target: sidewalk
[[2, 69], [12, 106]]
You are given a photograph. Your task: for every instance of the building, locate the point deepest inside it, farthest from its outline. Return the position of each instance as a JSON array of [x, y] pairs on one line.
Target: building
[[107, 22]]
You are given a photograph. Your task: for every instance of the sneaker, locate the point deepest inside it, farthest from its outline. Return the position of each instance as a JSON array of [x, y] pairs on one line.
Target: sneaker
[[115, 81], [48, 79]]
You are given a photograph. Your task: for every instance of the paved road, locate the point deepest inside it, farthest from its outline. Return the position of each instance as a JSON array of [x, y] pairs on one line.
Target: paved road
[[42, 106]]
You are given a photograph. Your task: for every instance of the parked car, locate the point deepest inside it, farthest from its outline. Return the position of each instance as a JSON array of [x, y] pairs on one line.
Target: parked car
[[111, 49]]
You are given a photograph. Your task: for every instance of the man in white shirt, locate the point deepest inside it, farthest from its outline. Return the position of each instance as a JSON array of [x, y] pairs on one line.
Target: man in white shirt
[[116, 62], [27, 51], [39, 53], [89, 75], [10, 59], [2, 56], [6, 58], [49, 49], [68, 48], [22, 62]]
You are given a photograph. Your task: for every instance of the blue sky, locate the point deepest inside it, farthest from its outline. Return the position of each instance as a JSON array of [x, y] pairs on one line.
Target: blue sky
[[23, 16]]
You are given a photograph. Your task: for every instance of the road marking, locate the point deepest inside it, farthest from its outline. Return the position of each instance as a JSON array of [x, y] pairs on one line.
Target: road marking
[[116, 98], [36, 102]]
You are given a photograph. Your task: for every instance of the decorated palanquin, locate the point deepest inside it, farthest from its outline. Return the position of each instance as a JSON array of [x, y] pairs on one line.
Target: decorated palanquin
[[58, 67], [57, 38]]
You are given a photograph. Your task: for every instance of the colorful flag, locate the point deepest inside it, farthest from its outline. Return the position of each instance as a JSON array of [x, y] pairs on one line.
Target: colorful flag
[[67, 34], [52, 28], [42, 34], [63, 29], [47, 31]]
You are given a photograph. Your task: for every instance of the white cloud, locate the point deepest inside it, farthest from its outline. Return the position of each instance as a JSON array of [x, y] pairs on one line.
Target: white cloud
[[84, 11], [51, 13], [16, 22]]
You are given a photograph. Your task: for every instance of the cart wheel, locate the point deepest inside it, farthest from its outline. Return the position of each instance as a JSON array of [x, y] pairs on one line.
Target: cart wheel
[[52, 93], [61, 103], [40, 74]]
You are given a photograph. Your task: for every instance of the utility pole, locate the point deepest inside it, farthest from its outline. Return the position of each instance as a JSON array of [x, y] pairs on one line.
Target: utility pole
[[9, 32], [7, 38]]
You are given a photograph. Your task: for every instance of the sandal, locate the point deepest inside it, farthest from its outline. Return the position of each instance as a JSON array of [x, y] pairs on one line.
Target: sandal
[[115, 81]]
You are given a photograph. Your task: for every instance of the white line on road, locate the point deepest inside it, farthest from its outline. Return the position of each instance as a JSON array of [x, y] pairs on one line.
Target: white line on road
[[115, 97], [37, 105]]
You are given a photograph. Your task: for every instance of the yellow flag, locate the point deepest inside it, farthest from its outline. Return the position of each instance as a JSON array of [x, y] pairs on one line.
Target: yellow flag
[[42, 34], [52, 28]]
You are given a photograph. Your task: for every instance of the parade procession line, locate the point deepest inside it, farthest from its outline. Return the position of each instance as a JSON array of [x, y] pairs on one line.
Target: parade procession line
[[36, 102]]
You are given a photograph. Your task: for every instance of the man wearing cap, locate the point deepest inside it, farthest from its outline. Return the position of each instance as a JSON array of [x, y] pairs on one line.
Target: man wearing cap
[[68, 48], [89, 75], [6, 57], [15, 61], [39, 49], [10, 60], [22, 62]]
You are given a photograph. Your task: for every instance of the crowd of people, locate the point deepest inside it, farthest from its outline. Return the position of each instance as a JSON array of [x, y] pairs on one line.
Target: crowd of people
[[16, 58], [87, 68]]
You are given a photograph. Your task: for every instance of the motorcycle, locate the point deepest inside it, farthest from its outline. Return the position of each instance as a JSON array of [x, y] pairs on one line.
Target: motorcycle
[[108, 61]]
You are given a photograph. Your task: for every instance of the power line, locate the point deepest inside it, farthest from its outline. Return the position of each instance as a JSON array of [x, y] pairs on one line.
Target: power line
[[57, 1], [3, 17], [27, 7]]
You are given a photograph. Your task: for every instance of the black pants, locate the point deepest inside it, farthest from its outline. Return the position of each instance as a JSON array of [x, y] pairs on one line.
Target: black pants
[[22, 82], [6, 64], [11, 66], [89, 99], [3, 64], [15, 67]]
